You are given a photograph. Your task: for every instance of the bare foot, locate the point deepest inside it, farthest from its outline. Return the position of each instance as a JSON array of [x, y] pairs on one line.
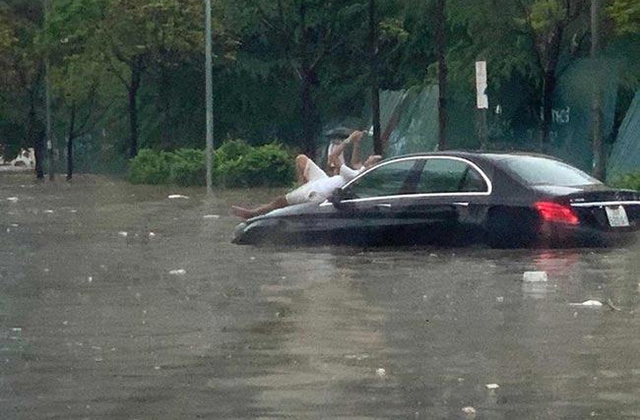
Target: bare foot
[[241, 212]]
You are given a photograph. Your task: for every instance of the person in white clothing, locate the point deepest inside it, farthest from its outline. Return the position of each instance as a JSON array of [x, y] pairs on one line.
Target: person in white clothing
[[316, 186]]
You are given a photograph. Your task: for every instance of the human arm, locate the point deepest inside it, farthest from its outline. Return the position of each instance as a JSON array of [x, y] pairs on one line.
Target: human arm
[[334, 156]]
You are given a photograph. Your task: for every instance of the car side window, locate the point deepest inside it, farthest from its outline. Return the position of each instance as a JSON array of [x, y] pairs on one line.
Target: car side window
[[384, 180], [449, 176]]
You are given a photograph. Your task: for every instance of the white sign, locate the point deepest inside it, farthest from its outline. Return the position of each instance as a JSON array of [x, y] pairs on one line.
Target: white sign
[[481, 85]]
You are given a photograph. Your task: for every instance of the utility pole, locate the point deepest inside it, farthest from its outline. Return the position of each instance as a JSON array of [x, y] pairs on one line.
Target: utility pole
[[209, 93], [598, 159], [47, 96]]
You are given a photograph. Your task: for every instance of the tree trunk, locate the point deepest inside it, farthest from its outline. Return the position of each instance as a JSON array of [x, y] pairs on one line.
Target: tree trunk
[[550, 66], [598, 170], [35, 137], [306, 79], [442, 73], [378, 146], [133, 111], [70, 137], [164, 104]]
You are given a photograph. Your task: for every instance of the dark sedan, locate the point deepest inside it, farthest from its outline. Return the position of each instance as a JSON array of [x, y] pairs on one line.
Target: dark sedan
[[459, 198]]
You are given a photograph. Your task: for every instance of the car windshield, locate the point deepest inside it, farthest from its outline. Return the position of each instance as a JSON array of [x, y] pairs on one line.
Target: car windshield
[[536, 170]]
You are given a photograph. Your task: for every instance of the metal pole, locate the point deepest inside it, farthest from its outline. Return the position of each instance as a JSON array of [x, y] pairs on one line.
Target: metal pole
[[209, 93]]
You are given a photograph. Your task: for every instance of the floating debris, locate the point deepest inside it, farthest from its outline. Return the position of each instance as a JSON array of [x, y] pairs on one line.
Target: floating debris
[[173, 196], [123, 234], [178, 272], [12, 199], [589, 303], [381, 372], [492, 387], [211, 216], [469, 412], [534, 276]]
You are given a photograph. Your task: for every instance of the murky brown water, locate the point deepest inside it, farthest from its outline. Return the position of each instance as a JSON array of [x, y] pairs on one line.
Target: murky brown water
[[117, 302]]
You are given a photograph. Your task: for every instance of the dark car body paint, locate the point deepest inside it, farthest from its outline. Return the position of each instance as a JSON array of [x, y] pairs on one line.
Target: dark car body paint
[[503, 218]]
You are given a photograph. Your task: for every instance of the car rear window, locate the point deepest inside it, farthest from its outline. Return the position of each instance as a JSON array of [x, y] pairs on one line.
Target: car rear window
[[543, 171]]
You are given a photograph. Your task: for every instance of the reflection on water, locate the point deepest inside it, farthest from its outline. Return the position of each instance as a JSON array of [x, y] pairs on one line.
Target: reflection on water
[[170, 320]]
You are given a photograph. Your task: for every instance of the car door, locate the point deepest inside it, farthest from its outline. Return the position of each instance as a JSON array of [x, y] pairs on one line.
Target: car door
[[411, 200]]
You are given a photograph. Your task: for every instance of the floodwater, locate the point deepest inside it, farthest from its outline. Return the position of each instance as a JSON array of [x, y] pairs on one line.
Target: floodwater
[[119, 302]]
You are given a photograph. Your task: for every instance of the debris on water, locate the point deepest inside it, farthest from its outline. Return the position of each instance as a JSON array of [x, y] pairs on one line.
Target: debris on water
[[172, 196], [534, 276], [492, 387], [90, 279], [500, 299], [48, 211], [211, 216], [151, 235], [357, 357], [123, 234], [12, 199], [469, 412], [588, 303], [612, 306], [179, 272], [381, 372]]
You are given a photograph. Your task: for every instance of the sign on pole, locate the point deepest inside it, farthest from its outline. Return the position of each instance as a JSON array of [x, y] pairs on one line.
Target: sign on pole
[[482, 100]]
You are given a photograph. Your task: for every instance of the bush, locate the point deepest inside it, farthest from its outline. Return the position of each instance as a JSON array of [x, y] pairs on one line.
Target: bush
[[268, 166], [188, 167], [235, 164], [630, 181], [150, 167]]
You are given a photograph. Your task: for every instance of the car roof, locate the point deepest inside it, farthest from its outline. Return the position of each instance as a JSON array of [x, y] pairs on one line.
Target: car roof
[[491, 156]]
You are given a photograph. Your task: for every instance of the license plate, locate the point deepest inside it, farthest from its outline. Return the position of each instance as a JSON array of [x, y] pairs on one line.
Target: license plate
[[617, 216]]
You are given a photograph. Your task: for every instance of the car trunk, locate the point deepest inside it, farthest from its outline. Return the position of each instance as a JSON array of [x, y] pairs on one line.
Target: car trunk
[[598, 206], [607, 209]]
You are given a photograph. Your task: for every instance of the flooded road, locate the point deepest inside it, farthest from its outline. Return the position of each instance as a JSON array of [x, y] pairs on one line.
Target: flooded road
[[119, 302]]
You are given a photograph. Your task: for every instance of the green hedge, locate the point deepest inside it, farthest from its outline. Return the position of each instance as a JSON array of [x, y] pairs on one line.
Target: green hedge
[[631, 181], [235, 164]]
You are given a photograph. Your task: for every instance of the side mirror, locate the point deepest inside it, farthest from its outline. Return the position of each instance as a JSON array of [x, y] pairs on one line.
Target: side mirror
[[338, 196]]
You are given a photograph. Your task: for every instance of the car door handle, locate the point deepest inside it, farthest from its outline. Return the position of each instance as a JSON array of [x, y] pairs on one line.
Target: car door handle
[[461, 204], [383, 206]]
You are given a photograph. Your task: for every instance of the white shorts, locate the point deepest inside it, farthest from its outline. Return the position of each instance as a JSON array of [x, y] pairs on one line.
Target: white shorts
[[305, 193]]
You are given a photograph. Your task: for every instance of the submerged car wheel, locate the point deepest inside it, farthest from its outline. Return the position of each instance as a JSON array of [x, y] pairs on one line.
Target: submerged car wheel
[[509, 228]]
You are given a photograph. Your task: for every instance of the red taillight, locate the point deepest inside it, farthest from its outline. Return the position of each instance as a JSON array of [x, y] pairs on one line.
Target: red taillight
[[558, 213]]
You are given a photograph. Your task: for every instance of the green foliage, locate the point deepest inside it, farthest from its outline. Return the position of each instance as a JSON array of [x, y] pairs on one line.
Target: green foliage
[[630, 181], [626, 15], [235, 164], [240, 165], [150, 167], [188, 167]]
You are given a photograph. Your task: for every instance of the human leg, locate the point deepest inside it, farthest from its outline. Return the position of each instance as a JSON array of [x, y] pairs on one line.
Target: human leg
[[244, 213], [307, 170]]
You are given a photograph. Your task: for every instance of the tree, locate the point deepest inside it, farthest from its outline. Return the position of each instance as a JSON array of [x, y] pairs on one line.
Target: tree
[[626, 15], [21, 80], [296, 37], [528, 38]]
